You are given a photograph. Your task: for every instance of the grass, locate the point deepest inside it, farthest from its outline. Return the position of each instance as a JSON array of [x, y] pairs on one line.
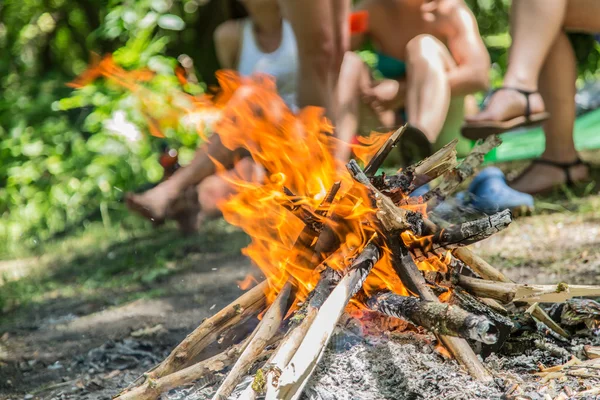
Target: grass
[[113, 264]]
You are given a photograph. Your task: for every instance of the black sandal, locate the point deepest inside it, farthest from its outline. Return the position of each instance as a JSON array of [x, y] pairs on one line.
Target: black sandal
[[476, 130], [566, 167]]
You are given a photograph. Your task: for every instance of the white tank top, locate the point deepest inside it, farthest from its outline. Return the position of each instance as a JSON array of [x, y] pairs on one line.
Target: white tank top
[[281, 63]]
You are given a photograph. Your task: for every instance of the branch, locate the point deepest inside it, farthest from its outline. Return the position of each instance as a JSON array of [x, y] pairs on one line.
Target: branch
[[440, 318], [384, 151]]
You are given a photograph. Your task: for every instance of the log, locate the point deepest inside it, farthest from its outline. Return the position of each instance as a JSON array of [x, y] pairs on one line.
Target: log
[[515, 292], [452, 179], [301, 322], [246, 306], [152, 388], [403, 183], [479, 265], [300, 368], [393, 218], [265, 330], [407, 270], [464, 234], [440, 318], [384, 151]]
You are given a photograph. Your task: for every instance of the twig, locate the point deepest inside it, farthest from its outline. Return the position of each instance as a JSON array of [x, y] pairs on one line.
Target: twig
[[265, 330], [384, 151]]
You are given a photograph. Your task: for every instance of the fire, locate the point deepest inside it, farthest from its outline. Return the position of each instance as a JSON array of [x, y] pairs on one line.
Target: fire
[[295, 149]]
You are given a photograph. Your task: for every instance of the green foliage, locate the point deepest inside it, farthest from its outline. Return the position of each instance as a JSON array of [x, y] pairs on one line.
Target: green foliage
[[61, 159]]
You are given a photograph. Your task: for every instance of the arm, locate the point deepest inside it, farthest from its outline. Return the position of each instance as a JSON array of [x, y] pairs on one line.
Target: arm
[[472, 59], [227, 43]]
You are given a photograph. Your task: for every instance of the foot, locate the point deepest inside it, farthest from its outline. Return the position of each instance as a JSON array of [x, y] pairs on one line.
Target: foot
[[152, 204], [540, 178], [508, 104]]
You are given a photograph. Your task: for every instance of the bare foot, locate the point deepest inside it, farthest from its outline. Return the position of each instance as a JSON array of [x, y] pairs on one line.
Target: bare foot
[[152, 204], [507, 104], [540, 178]]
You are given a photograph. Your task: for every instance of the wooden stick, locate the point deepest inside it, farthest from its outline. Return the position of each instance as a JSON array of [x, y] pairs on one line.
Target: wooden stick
[[393, 218], [152, 388], [288, 346], [407, 270], [246, 306], [384, 151], [406, 181], [479, 265], [265, 330], [452, 179], [440, 318], [469, 232], [514, 292], [295, 376], [538, 313]]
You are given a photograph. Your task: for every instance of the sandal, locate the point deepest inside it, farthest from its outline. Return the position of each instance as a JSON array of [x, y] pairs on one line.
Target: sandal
[[566, 167], [476, 130]]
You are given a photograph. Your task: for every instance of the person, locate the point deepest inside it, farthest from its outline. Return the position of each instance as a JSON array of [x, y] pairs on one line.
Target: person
[[262, 43], [540, 81], [431, 56], [322, 34]]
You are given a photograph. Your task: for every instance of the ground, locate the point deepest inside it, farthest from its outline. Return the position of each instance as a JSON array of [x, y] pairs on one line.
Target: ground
[[88, 312]]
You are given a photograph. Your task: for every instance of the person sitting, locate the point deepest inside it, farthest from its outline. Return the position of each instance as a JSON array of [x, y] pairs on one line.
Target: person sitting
[[262, 43], [431, 56], [541, 58]]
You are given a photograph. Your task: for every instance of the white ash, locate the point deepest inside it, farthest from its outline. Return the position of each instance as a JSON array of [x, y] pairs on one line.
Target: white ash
[[384, 368]]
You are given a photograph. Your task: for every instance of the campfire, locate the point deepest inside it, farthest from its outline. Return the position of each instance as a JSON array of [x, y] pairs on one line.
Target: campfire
[[336, 243]]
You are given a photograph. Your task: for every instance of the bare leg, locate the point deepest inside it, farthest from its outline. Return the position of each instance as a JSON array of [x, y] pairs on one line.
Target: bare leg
[[320, 45], [354, 111], [557, 86], [155, 203], [428, 96], [535, 25]]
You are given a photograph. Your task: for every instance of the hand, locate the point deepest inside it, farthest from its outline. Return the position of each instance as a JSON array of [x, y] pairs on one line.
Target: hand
[[385, 95]]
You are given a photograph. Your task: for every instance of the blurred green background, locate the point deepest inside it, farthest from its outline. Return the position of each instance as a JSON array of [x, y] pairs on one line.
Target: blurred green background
[[61, 163]]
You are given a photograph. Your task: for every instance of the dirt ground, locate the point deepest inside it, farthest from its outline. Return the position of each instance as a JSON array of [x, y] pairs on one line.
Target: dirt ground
[[87, 342]]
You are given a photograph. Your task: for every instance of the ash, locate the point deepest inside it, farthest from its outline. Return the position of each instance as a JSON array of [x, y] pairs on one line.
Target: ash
[[403, 367]]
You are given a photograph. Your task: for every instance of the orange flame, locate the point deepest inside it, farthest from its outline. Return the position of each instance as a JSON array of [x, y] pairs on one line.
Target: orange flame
[[295, 149]]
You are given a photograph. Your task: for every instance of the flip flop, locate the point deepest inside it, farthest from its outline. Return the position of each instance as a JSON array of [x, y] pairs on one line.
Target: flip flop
[[476, 130]]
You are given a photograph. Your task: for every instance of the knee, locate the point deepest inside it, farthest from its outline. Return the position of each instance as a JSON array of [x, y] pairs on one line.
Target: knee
[[351, 66], [423, 49]]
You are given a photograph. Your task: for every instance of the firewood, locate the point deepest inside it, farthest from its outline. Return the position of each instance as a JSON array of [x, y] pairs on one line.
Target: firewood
[[152, 388], [452, 179], [379, 157], [591, 352], [302, 365], [440, 318], [246, 306], [538, 313], [479, 265], [469, 232], [407, 270], [514, 292], [392, 217], [265, 330], [407, 180], [301, 322]]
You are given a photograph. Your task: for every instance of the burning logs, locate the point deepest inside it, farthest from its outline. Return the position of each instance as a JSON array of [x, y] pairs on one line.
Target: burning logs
[[371, 222], [436, 317]]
